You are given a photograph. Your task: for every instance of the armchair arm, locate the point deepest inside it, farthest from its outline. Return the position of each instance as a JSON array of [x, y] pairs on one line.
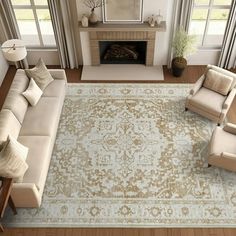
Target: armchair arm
[[229, 99], [228, 156], [197, 85], [230, 128]]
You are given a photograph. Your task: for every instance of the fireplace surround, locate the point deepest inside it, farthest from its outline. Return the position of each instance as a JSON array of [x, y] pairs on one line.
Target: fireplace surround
[[122, 33]]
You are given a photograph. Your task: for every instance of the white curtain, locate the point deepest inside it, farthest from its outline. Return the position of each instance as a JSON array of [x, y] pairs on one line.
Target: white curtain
[[228, 52], [65, 39], [11, 30], [181, 18]]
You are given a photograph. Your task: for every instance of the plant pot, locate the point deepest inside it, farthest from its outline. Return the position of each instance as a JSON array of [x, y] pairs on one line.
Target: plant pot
[[93, 19], [178, 65]]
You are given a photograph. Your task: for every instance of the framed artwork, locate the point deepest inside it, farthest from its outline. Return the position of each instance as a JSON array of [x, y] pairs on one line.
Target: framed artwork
[[122, 11]]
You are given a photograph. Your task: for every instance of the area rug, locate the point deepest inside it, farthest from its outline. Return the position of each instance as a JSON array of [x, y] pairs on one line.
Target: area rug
[[122, 72], [128, 155]]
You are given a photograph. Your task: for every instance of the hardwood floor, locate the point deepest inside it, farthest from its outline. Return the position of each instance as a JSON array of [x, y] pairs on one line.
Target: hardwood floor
[[119, 232], [191, 74]]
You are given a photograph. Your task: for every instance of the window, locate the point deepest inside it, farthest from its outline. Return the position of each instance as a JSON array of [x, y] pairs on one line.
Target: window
[[208, 22], [34, 22]]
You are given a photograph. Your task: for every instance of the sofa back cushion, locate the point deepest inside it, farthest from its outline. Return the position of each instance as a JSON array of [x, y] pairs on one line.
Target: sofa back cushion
[[218, 82], [9, 125], [15, 101]]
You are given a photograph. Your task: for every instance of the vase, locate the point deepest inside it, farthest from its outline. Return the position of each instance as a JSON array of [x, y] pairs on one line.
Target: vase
[[178, 66], [84, 21], [93, 19], [159, 18]]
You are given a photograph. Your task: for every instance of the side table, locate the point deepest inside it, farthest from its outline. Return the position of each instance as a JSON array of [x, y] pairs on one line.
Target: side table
[[5, 198]]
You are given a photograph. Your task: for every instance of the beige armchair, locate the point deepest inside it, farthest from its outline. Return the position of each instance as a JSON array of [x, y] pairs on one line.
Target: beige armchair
[[212, 94], [222, 148]]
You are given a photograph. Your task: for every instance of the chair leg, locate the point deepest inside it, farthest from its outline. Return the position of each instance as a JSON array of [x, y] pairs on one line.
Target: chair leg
[[208, 166]]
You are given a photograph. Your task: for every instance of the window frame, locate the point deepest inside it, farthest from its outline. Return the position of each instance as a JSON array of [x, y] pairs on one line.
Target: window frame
[[210, 7], [34, 8]]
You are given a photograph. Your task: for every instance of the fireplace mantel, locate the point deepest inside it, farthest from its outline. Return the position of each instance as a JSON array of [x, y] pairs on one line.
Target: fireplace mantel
[[123, 27], [122, 32]]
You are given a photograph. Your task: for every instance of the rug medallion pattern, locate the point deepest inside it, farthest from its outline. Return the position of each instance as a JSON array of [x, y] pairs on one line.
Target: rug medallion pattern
[[128, 155]]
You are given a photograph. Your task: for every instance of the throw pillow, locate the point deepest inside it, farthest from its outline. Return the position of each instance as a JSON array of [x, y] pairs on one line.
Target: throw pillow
[[40, 74], [33, 93], [12, 160], [218, 82]]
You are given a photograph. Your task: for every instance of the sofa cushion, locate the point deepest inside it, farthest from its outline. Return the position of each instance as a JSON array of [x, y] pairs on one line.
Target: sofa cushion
[[12, 160], [42, 119], [218, 82], [33, 93], [15, 101], [208, 101], [222, 141], [40, 74], [38, 159], [9, 125], [55, 89]]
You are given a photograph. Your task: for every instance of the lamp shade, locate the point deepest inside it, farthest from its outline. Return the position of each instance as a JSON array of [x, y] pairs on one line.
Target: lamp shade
[[14, 50]]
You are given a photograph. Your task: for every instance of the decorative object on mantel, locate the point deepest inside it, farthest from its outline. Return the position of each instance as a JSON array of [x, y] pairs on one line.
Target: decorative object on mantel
[[184, 45], [152, 20], [84, 21], [93, 4], [122, 12], [159, 18]]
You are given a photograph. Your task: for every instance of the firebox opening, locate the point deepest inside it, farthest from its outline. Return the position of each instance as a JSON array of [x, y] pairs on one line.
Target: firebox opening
[[123, 52]]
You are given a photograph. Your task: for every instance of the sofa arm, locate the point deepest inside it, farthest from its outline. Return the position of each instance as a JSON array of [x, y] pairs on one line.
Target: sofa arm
[[58, 74], [197, 85], [230, 128], [25, 195]]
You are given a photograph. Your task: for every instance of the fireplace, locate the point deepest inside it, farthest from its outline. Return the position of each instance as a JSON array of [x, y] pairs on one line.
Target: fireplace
[[123, 52], [141, 42]]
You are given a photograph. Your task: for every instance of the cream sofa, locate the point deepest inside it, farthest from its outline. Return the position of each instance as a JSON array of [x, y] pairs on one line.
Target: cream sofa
[[208, 103], [36, 128], [222, 148]]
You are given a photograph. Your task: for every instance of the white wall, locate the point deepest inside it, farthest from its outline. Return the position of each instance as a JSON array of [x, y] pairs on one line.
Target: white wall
[[3, 67], [201, 57]]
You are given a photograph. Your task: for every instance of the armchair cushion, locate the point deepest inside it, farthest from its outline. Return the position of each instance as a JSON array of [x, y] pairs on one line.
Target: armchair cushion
[[218, 82], [214, 102]]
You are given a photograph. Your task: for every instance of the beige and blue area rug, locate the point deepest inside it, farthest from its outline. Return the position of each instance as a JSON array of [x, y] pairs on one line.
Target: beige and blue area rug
[[127, 155]]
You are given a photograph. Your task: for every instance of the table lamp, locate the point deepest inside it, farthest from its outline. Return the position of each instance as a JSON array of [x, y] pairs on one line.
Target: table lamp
[[14, 50]]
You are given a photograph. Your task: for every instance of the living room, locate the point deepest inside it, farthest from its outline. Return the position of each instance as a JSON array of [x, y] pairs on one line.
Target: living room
[[118, 117]]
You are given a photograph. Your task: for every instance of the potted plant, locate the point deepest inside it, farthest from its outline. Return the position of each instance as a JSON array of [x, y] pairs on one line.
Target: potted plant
[[93, 4], [183, 45]]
